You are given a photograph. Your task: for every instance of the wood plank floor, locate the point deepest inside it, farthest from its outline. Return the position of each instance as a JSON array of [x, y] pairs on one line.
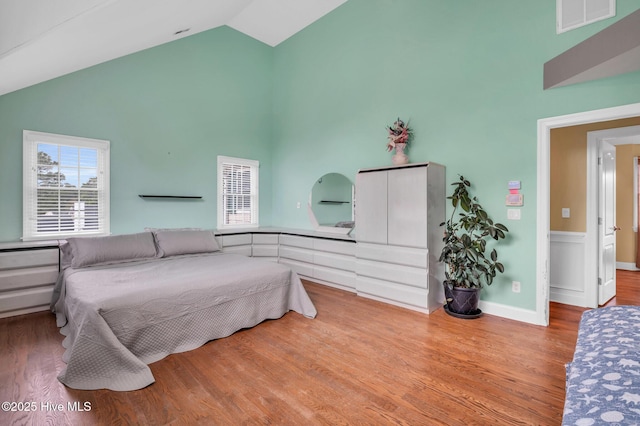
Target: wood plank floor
[[358, 362]]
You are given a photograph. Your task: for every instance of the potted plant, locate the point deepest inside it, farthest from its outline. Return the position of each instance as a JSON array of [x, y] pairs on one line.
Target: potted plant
[[468, 267]]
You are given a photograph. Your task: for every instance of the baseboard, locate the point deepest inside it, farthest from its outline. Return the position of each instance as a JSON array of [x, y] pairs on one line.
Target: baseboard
[[626, 266], [510, 312]]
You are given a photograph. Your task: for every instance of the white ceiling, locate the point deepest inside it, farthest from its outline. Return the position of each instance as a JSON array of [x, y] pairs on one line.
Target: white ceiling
[[44, 39]]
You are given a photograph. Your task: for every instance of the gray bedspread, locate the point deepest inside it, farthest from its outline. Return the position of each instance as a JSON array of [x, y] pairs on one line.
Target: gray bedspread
[[119, 318]]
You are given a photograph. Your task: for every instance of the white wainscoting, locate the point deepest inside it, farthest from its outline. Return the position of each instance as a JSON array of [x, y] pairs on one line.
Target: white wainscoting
[[567, 277], [626, 266]]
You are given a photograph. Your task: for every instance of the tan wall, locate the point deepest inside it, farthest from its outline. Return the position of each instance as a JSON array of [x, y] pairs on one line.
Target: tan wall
[[568, 178], [568, 174], [625, 238]]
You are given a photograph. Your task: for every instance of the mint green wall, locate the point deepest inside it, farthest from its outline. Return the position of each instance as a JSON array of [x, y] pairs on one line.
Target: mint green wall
[[467, 73], [168, 112]]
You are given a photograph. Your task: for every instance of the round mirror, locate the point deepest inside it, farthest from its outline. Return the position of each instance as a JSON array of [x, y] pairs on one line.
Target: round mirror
[[331, 204]]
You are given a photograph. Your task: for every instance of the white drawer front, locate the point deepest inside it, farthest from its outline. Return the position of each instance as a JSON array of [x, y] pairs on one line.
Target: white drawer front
[[264, 251], [265, 238], [344, 278], [295, 253], [299, 267], [236, 240], [415, 277], [28, 258], [24, 299], [28, 277], [243, 250], [393, 254], [337, 261], [392, 291], [296, 241], [332, 246]]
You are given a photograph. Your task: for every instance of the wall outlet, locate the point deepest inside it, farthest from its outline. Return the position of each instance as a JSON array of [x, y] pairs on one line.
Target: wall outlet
[[515, 286], [298, 205]]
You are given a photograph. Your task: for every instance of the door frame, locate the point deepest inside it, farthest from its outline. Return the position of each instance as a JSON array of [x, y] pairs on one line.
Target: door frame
[[543, 191], [615, 136]]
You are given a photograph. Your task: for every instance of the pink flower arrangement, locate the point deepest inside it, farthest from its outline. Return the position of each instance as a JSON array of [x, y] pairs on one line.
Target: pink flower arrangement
[[399, 132]]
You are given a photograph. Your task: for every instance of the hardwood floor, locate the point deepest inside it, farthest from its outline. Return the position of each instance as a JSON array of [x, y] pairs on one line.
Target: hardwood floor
[[358, 362]]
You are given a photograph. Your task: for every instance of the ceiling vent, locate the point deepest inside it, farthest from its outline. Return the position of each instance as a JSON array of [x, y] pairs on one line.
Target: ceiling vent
[[572, 14]]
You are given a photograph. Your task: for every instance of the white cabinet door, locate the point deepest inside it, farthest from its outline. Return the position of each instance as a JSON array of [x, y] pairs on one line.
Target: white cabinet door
[[371, 207], [407, 210]]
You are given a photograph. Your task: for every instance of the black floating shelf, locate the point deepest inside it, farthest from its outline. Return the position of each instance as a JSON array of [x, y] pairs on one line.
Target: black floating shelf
[[183, 197], [333, 202]]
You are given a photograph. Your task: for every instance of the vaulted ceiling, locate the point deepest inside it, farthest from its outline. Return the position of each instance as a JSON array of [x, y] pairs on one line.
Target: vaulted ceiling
[[44, 39]]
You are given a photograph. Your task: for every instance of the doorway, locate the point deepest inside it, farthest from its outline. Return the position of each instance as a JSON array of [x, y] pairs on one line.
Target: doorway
[[543, 192]]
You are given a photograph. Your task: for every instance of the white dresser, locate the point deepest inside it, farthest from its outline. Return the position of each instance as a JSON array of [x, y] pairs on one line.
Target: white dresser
[[399, 238], [27, 277]]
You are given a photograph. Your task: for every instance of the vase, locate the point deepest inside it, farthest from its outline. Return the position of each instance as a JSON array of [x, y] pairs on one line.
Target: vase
[[400, 158]]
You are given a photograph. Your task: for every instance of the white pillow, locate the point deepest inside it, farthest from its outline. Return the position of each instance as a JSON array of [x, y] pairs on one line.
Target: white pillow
[[173, 243], [111, 249]]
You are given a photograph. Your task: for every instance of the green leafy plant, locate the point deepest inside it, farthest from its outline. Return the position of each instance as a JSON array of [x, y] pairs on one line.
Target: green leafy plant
[[465, 241]]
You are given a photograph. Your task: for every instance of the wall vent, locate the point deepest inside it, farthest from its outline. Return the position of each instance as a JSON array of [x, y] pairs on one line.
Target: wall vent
[[572, 14]]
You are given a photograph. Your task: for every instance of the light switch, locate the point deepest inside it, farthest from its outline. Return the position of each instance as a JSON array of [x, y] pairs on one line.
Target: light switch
[[513, 214], [566, 212]]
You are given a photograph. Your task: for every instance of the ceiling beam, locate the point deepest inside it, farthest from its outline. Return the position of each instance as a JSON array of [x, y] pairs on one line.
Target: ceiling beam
[[613, 51]]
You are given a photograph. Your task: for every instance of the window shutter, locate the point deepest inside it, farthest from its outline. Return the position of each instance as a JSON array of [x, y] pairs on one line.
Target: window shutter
[[237, 192]]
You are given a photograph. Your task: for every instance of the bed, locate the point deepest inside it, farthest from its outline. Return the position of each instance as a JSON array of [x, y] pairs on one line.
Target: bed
[[603, 379], [126, 301]]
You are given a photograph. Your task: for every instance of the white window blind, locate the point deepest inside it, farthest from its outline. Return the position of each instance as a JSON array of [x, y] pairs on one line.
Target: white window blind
[[65, 186], [572, 14], [237, 192]]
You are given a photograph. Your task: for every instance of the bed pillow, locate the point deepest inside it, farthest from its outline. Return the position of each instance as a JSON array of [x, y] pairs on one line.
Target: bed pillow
[[66, 255], [173, 243], [111, 249]]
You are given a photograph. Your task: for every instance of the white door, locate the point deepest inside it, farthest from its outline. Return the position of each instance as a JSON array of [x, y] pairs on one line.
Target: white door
[[407, 209], [607, 223], [371, 208]]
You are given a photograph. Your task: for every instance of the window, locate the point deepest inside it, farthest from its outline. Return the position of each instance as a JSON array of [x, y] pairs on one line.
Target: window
[[572, 14], [65, 186], [237, 192]]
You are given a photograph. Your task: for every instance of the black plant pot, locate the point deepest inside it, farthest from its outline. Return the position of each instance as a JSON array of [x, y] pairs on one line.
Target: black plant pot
[[462, 302]]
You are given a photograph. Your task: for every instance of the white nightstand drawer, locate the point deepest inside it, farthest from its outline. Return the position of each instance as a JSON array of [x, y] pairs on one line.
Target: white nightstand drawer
[[337, 261], [296, 253], [299, 267], [265, 238], [333, 246], [296, 241], [236, 240], [264, 251], [28, 258], [243, 250], [393, 254], [415, 277]]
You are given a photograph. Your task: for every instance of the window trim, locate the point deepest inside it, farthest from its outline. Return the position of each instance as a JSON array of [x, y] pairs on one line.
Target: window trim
[[255, 186], [30, 139]]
